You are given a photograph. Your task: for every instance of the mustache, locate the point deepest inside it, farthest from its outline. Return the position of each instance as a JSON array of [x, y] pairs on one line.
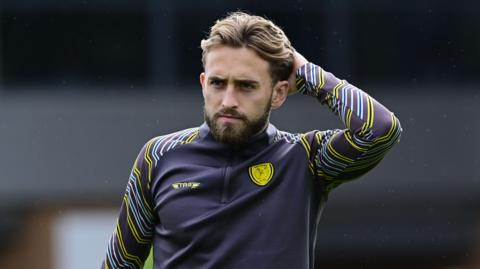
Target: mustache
[[230, 112]]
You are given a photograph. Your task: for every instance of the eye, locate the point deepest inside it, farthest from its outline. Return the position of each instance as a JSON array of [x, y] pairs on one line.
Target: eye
[[217, 83], [246, 85]]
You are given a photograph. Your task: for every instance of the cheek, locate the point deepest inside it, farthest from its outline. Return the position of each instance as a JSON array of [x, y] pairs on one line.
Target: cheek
[[211, 98], [210, 104], [257, 109]]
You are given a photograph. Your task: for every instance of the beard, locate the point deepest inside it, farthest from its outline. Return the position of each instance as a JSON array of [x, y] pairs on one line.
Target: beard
[[239, 133]]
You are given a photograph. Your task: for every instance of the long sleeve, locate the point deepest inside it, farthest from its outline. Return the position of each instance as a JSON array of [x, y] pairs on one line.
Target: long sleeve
[[371, 129], [131, 240]]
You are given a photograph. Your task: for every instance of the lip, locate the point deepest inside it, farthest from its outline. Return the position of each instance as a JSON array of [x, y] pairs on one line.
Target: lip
[[228, 118]]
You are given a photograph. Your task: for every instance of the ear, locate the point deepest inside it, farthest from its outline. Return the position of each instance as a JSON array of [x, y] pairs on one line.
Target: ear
[[202, 83], [280, 93]]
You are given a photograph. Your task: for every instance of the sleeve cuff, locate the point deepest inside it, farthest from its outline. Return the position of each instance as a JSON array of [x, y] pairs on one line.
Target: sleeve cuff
[[310, 79]]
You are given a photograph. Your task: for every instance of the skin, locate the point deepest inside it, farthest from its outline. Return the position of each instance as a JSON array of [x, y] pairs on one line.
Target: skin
[[239, 93], [298, 61]]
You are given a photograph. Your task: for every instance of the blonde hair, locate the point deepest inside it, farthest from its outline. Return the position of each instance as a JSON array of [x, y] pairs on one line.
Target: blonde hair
[[240, 29]]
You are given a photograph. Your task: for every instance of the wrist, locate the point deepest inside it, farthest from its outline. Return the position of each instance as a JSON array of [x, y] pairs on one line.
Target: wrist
[[309, 79]]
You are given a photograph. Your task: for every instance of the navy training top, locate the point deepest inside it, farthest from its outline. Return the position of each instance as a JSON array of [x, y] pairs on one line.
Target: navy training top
[[203, 204]]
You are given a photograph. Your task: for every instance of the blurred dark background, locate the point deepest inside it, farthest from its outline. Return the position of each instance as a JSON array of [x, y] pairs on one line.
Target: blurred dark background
[[83, 84]]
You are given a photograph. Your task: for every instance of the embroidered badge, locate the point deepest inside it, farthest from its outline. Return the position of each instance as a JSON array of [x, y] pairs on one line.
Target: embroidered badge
[[261, 174]]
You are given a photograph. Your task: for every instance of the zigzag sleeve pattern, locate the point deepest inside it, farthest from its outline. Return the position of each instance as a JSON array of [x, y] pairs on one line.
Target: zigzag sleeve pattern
[[132, 238], [371, 129]]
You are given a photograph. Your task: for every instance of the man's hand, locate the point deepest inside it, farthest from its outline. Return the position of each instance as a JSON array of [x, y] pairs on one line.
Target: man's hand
[[298, 61]]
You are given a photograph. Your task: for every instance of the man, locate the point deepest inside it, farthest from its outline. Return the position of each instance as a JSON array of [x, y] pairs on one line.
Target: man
[[236, 192]]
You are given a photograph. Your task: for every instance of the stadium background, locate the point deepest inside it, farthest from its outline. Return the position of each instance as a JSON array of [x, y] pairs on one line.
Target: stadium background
[[83, 84]]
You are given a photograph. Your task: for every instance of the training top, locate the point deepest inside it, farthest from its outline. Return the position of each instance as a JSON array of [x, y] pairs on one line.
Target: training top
[[207, 205]]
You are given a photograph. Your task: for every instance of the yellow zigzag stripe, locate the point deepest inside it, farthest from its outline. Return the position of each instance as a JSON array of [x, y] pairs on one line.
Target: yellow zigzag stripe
[[149, 161], [370, 115], [362, 167], [299, 82], [325, 176], [124, 250], [335, 89], [306, 146], [319, 137], [192, 137], [321, 79], [372, 110], [137, 177], [389, 133], [338, 155], [303, 139], [349, 118], [349, 138], [365, 124], [132, 227]]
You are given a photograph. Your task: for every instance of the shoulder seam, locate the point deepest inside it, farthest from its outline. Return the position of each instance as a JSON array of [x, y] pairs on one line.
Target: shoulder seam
[[301, 139], [165, 143], [287, 137]]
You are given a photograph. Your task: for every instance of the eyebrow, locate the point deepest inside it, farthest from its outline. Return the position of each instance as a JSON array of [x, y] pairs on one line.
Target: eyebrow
[[236, 81]]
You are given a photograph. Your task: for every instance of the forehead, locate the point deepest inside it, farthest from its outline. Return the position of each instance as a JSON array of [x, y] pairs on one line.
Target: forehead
[[233, 62]]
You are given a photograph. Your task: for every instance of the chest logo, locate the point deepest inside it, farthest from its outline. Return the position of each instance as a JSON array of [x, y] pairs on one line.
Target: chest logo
[[185, 185], [261, 174]]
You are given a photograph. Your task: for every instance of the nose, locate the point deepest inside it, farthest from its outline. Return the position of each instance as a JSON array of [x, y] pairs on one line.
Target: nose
[[230, 97]]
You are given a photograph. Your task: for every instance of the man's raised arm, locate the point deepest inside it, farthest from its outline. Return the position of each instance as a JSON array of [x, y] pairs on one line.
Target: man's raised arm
[[371, 129]]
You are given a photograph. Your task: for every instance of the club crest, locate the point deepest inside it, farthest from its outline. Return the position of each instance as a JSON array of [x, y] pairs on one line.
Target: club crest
[[261, 174]]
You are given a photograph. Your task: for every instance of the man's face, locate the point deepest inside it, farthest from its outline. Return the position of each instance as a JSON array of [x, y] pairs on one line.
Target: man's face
[[238, 93]]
